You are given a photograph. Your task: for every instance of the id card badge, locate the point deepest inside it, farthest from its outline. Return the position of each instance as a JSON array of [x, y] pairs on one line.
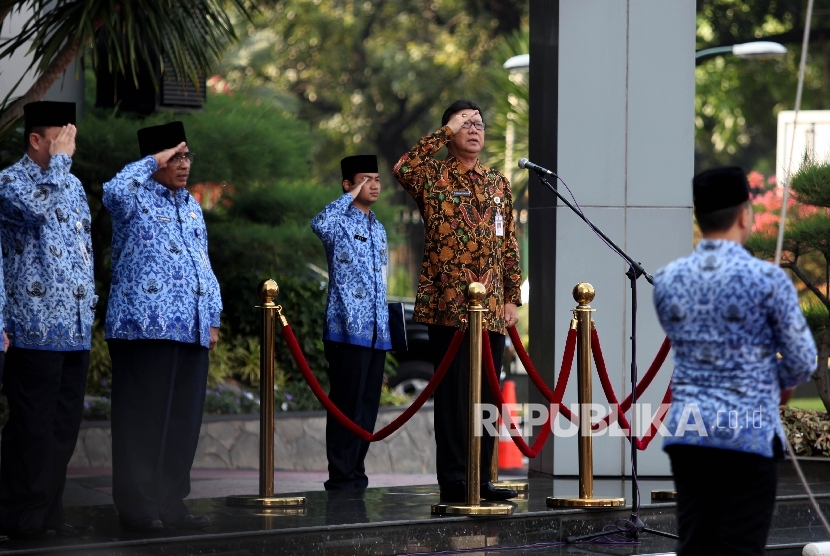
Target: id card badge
[[383, 273], [84, 252], [499, 225]]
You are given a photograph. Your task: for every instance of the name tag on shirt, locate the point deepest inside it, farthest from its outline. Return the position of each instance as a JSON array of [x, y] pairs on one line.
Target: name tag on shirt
[[359, 237], [162, 219], [461, 194], [383, 272]]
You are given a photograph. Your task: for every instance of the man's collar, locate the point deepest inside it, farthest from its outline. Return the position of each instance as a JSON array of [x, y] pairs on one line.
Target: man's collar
[[162, 191], [31, 167], [461, 168], [722, 245], [356, 211]]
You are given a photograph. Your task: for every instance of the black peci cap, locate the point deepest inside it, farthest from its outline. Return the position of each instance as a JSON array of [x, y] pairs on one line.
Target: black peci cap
[[359, 164], [48, 113], [152, 140], [719, 188]]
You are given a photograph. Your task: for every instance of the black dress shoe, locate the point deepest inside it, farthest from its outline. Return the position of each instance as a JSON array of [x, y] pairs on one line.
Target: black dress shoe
[[190, 522], [143, 525], [489, 492], [455, 492], [65, 530], [26, 533]]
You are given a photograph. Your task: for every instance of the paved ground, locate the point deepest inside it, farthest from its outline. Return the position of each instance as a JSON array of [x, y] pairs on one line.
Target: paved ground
[[91, 486]]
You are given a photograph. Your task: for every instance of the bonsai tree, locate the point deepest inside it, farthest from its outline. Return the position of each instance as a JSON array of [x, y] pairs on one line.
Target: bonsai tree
[[806, 252]]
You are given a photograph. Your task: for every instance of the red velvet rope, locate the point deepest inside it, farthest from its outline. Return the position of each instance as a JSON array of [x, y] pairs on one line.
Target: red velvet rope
[[645, 382], [350, 425], [493, 380], [554, 398], [655, 424], [611, 396]]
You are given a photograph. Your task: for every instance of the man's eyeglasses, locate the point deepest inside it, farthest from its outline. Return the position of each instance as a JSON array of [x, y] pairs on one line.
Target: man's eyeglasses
[[478, 125], [176, 160]]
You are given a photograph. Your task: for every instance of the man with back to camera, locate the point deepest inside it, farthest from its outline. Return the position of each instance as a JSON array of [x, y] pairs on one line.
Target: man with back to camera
[[728, 316], [467, 210], [356, 336], [162, 318], [50, 305]]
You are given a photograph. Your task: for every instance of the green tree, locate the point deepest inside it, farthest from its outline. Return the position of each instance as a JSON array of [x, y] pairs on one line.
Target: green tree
[[189, 35], [371, 75], [507, 128], [806, 255], [737, 101]]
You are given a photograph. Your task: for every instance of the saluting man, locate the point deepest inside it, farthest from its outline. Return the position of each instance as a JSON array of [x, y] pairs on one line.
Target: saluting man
[[356, 336], [47, 260], [740, 344], [162, 318], [469, 237]]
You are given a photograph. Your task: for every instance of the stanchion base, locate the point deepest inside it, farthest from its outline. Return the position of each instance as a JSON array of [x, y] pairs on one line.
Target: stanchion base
[[518, 486], [574, 502], [279, 512], [663, 495], [256, 501], [485, 508]]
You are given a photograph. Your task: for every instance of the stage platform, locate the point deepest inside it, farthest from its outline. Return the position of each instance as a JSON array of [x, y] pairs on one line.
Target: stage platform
[[397, 520]]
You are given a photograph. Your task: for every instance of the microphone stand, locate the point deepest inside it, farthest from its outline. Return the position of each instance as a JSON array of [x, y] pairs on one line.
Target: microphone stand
[[635, 270]]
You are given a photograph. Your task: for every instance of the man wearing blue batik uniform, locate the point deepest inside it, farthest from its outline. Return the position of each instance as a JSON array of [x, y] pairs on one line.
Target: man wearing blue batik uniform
[[356, 336], [162, 318], [50, 304], [728, 316]]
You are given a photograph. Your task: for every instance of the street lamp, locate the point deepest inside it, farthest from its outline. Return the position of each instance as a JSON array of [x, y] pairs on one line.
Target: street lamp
[[518, 63], [759, 50]]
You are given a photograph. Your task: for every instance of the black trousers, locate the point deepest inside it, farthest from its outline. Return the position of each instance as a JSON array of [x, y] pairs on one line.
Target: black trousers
[[725, 500], [45, 390], [158, 396], [2, 365], [451, 410], [356, 376]]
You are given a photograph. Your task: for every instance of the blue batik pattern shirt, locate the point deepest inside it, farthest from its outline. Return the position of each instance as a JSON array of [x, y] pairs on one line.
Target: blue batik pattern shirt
[[356, 311], [47, 256], [728, 316], [163, 286]]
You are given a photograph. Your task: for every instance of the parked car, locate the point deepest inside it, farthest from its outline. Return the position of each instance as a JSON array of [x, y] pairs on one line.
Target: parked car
[[414, 365]]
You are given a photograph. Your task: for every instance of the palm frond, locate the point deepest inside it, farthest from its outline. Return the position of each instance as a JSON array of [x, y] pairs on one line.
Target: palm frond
[[189, 34]]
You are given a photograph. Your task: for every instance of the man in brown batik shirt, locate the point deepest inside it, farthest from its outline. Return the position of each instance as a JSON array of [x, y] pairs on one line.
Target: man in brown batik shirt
[[467, 210]]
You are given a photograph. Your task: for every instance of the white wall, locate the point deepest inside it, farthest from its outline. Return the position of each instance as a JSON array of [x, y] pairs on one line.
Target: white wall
[[811, 139], [69, 88], [625, 148]]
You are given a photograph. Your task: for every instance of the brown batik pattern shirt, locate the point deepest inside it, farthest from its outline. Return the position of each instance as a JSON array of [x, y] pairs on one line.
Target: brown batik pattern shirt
[[459, 206]]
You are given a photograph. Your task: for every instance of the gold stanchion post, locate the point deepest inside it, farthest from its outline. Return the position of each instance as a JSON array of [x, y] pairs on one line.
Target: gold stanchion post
[[583, 294], [267, 291], [473, 505]]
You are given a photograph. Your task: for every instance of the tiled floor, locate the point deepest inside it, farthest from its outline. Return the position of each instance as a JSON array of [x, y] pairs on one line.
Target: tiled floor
[[391, 519], [93, 486]]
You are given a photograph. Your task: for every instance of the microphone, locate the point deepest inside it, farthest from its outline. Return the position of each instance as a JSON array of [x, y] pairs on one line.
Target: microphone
[[525, 163]]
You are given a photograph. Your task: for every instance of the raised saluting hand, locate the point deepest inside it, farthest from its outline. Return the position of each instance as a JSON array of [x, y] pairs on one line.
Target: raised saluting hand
[[460, 118], [355, 190], [64, 142], [165, 155]]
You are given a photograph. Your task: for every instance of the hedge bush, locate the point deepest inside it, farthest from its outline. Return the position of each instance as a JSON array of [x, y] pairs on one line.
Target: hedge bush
[[807, 430]]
